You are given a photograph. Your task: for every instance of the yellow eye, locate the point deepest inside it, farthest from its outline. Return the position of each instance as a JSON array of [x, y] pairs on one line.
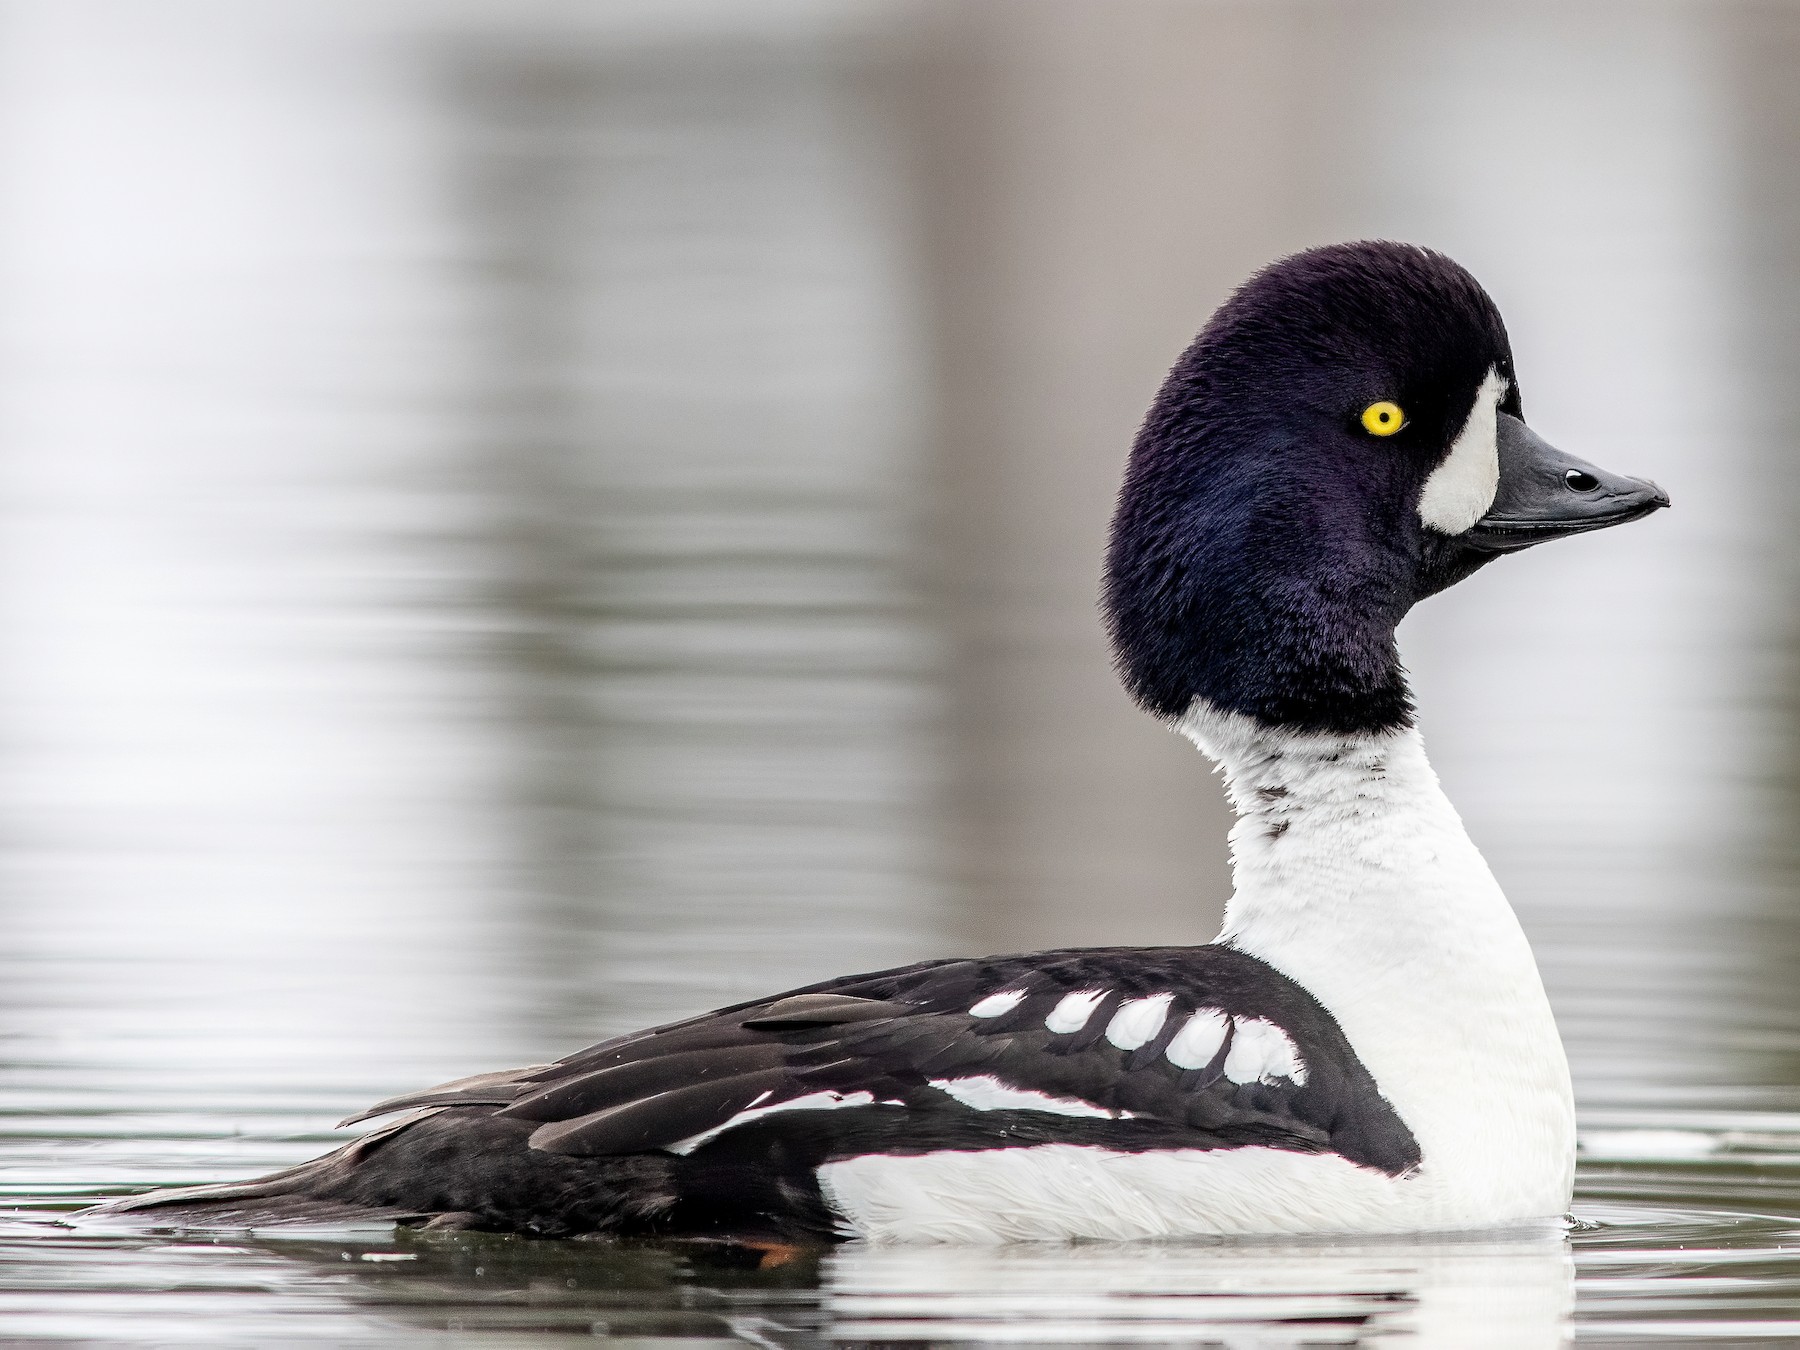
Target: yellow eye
[[1383, 418]]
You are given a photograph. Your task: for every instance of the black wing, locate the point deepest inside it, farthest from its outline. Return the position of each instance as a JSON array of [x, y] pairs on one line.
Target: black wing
[[1128, 1049]]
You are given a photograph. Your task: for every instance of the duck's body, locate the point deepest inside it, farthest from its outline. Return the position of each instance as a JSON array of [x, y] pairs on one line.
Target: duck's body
[[1367, 1046]]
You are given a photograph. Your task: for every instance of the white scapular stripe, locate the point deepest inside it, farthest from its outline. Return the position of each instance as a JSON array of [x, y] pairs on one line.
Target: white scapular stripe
[[1073, 1012], [812, 1101], [1196, 1043], [1461, 489], [987, 1093], [998, 1005], [1137, 1022], [1262, 1053]]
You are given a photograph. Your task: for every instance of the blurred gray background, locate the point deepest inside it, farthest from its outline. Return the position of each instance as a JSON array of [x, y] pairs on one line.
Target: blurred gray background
[[521, 518]]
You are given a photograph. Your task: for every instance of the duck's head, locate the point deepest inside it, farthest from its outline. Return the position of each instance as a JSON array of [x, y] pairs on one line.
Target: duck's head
[[1343, 439]]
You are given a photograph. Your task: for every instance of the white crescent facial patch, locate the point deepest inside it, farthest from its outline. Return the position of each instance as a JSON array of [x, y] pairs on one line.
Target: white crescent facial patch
[[1461, 489]]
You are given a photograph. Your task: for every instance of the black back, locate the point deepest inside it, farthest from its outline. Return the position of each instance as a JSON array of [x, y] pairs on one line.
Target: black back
[[891, 1034]]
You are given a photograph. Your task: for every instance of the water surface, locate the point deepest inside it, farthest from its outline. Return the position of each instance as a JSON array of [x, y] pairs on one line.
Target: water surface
[[520, 521]]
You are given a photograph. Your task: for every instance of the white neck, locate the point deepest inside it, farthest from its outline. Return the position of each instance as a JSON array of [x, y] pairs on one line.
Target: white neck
[[1355, 878]]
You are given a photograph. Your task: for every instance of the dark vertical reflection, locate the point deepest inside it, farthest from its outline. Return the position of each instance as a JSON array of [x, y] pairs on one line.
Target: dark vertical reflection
[[526, 176], [1760, 51], [1098, 177], [701, 445]]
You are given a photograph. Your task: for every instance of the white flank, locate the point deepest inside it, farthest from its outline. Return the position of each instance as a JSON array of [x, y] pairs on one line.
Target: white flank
[[1196, 1043], [1262, 1053], [812, 1101], [1137, 1021], [1057, 1192], [1073, 1012], [1461, 489], [998, 1005], [987, 1093]]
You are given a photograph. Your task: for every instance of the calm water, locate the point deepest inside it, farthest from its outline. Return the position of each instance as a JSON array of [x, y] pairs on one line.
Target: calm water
[[1689, 1204], [522, 520]]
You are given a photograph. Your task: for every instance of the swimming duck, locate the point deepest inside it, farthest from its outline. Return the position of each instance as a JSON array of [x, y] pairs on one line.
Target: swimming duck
[[1365, 1048]]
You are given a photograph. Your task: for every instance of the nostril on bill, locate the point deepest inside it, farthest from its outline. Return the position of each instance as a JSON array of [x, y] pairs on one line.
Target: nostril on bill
[[1578, 480]]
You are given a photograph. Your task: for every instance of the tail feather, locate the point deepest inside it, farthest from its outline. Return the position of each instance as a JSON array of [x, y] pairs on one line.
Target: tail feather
[[247, 1206], [435, 1162]]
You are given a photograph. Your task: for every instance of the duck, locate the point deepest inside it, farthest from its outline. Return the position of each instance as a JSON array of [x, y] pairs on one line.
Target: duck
[[1366, 1047]]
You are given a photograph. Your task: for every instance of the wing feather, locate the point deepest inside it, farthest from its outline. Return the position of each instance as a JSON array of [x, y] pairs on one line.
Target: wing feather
[[875, 1042], [823, 1010], [480, 1089], [666, 1118], [621, 1084]]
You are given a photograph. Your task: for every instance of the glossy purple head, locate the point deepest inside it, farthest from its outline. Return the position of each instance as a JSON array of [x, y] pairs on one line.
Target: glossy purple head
[[1344, 438]]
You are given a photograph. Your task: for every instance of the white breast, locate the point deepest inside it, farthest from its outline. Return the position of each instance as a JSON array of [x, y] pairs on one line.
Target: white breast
[[1356, 879]]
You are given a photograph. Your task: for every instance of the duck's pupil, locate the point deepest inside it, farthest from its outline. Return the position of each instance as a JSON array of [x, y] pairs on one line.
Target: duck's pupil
[[1580, 482]]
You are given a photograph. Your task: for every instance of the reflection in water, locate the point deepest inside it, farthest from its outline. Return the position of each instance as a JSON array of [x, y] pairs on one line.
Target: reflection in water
[[1467, 1292], [523, 519], [1457, 1291], [698, 450]]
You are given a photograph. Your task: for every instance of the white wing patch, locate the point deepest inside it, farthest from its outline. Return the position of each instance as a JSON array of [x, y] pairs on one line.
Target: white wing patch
[[1073, 1012], [1262, 1053], [998, 1005], [987, 1093], [1461, 489], [1137, 1021], [1196, 1043], [812, 1101]]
